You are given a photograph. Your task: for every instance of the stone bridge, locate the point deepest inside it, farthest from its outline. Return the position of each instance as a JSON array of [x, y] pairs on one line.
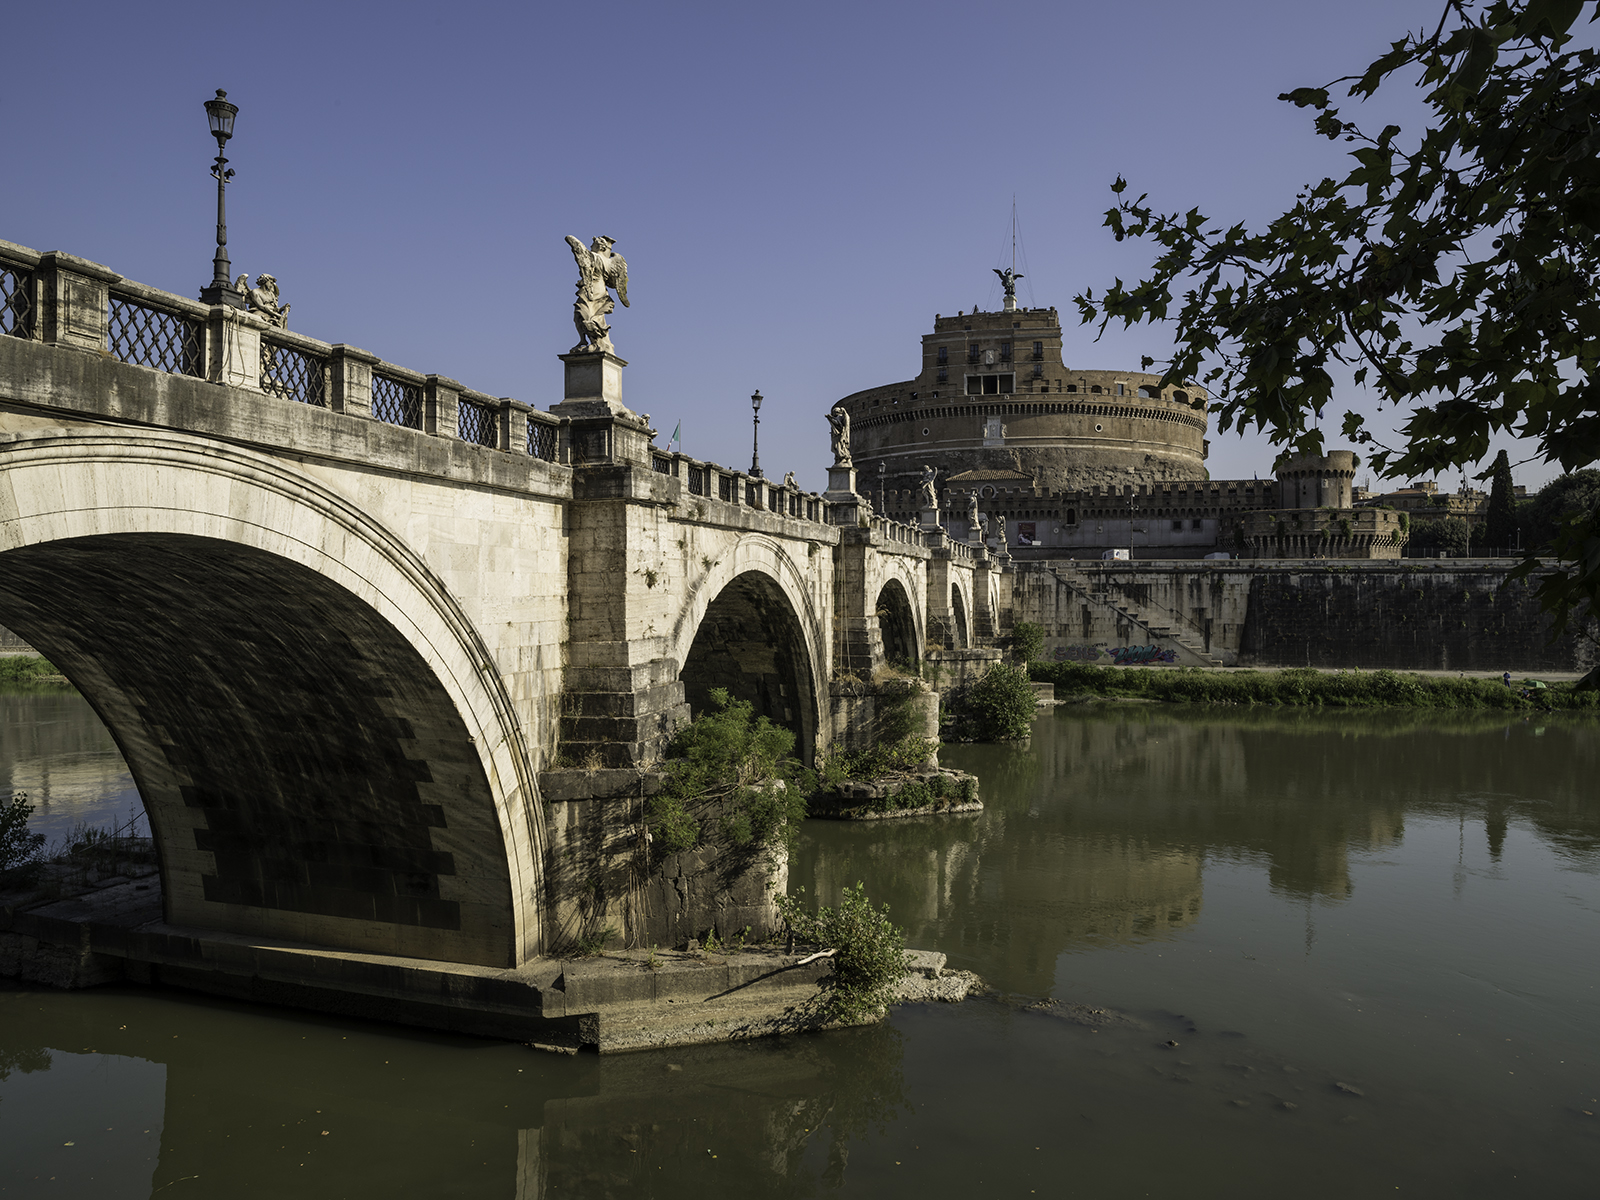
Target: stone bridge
[[362, 634]]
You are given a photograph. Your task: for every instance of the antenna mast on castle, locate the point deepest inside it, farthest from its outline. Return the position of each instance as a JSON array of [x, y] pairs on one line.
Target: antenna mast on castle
[[1009, 276]]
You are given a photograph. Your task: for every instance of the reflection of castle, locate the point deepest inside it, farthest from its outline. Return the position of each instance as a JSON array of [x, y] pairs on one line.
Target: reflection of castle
[[1079, 462]]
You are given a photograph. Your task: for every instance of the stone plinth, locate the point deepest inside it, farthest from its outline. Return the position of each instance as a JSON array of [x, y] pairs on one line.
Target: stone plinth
[[841, 481], [593, 386]]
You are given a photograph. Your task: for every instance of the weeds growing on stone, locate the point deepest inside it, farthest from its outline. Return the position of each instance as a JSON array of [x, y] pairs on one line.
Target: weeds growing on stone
[[737, 771], [869, 951]]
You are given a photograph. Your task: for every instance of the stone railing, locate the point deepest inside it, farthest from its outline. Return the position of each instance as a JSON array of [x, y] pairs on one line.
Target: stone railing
[[898, 532], [708, 481], [60, 299], [63, 300]]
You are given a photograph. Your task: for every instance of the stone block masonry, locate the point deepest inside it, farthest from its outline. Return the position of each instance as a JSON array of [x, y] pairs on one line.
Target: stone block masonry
[[1402, 614], [343, 617]]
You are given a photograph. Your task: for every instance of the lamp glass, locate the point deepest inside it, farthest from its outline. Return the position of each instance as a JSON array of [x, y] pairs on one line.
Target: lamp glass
[[220, 114], [755, 401]]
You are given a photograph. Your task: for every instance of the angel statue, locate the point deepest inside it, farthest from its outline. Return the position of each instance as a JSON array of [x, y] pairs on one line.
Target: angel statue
[[263, 299], [599, 268], [974, 520], [930, 494], [839, 421], [1008, 280]]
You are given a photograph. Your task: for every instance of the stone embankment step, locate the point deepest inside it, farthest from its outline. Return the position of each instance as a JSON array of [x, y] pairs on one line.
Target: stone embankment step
[[1159, 628]]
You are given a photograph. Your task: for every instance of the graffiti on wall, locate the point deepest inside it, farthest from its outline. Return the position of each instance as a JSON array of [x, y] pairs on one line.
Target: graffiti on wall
[[1138, 656], [1077, 653]]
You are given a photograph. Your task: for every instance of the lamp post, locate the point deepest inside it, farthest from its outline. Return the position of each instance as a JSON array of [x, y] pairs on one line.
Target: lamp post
[[1130, 524], [220, 113], [883, 470], [755, 442]]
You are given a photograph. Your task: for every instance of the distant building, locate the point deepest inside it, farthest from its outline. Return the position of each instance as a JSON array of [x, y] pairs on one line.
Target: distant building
[[1075, 463]]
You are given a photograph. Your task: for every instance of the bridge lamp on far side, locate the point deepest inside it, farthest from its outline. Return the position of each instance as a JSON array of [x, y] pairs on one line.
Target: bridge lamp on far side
[[220, 114], [755, 442]]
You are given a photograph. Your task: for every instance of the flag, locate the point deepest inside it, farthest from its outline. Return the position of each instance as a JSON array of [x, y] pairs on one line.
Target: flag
[[676, 430]]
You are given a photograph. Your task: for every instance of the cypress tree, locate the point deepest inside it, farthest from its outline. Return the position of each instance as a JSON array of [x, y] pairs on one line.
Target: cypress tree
[[1500, 526]]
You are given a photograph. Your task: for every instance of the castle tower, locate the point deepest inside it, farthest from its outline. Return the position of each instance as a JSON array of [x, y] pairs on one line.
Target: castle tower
[[1312, 481], [995, 399]]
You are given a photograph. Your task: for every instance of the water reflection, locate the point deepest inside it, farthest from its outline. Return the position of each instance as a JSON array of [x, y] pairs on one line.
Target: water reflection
[[1099, 832], [53, 747], [312, 1106]]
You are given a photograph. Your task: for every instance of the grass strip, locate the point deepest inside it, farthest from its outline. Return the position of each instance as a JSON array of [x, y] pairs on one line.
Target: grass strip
[[1309, 688]]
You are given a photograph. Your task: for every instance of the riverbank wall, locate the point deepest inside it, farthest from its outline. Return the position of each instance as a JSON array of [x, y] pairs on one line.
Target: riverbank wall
[[1420, 615]]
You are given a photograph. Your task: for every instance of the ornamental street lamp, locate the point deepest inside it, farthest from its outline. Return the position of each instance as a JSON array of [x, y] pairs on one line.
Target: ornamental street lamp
[[755, 443], [220, 114], [883, 468]]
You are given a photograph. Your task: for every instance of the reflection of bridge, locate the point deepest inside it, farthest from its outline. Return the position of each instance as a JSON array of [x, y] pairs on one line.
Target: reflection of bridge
[[340, 616]]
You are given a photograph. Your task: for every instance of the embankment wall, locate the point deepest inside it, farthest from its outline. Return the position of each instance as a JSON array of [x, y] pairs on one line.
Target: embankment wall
[[1406, 615]]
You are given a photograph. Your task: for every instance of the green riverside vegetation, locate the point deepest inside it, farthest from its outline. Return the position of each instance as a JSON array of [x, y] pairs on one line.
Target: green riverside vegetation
[[870, 954], [27, 668], [735, 771], [1306, 687]]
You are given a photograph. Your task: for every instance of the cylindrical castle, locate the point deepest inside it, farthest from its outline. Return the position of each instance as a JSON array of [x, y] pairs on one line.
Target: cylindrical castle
[[995, 400]]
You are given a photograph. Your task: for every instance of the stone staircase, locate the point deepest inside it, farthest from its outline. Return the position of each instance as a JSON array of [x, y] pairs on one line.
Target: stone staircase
[[1164, 629]]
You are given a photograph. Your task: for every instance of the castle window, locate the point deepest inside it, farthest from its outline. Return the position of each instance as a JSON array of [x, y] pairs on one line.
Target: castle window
[[972, 353], [1121, 391], [1005, 351], [1180, 397], [1148, 393], [944, 374], [1198, 523], [1038, 350], [991, 385], [944, 355], [1177, 527], [1071, 387], [1095, 388]]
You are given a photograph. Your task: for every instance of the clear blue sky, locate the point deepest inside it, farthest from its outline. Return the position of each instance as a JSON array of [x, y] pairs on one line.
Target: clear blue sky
[[797, 188]]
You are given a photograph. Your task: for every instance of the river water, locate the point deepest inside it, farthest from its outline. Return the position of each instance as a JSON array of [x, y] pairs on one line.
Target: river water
[[1371, 936]]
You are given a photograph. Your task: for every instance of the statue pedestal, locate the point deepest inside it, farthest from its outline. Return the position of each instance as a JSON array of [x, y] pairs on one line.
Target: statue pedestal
[[930, 518], [841, 481], [593, 386]]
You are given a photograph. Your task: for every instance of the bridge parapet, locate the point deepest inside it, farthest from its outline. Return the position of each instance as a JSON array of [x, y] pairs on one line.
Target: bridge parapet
[[59, 299]]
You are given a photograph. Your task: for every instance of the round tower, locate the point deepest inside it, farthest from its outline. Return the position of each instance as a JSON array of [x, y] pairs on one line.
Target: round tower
[[1316, 481], [994, 397]]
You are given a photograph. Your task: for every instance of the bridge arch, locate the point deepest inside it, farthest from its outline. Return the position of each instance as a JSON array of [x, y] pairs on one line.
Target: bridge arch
[[897, 623], [323, 744], [751, 624], [958, 617]]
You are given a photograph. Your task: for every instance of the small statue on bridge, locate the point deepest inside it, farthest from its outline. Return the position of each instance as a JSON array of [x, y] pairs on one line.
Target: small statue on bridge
[[263, 299], [974, 519], [997, 529], [839, 422], [789, 480], [599, 268], [930, 493]]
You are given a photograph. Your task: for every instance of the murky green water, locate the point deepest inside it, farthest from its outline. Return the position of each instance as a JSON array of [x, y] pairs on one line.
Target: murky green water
[[1403, 904]]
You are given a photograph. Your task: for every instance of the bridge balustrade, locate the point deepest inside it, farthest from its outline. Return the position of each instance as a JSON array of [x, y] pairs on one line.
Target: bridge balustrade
[[476, 421], [150, 329], [16, 300], [396, 400], [543, 437], [294, 368]]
